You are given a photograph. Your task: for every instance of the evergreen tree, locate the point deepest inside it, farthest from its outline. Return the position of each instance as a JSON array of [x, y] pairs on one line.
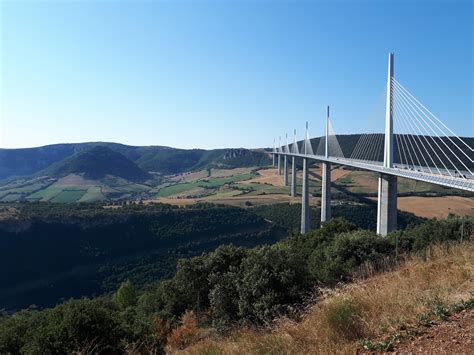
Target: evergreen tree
[[126, 295]]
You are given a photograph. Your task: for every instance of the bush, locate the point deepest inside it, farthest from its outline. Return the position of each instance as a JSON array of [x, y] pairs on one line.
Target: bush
[[342, 318], [186, 334], [272, 279], [126, 296], [224, 298], [68, 327], [161, 330], [335, 259]]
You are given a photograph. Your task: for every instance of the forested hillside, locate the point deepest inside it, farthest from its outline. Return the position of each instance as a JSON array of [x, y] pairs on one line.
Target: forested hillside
[[73, 250], [220, 291], [54, 251]]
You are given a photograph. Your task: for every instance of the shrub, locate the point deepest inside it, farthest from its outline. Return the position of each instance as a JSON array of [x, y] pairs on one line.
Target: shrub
[[70, 326], [126, 296], [225, 302], [162, 330], [342, 318], [272, 279], [186, 334]]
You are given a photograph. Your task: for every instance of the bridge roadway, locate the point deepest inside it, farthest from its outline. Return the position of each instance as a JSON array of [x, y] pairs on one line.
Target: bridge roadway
[[465, 184]]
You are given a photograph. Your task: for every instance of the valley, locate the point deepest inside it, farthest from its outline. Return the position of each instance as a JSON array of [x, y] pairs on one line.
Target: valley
[[90, 221]]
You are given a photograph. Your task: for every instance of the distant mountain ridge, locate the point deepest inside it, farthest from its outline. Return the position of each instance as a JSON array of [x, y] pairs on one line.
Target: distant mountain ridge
[[158, 159]]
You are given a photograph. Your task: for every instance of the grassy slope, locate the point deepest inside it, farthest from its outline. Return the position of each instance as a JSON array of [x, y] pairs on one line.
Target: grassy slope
[[382, 309]]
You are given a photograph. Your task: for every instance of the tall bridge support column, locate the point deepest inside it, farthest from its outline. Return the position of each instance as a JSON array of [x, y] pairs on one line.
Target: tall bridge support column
[[285, 170], [387, 201], [305, 209], [387, 204], [279, 164], [326, 178], [273, 162], [326, 193], [293, 177]]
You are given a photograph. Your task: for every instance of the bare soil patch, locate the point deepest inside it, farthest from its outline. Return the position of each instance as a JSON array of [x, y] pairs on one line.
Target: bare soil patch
[[454, 336]]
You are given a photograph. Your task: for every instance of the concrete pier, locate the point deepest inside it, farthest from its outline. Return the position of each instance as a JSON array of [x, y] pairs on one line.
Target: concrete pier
[[387, 199], [305, 209], [387, 204], [273, 156], [285, 171], [326, 192], [293, 177], [279, 164]]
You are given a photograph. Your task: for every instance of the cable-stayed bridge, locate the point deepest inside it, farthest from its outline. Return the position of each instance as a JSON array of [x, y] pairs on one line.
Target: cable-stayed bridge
[[415, 145]]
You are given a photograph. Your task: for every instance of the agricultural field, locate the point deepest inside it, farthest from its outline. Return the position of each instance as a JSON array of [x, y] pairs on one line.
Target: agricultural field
[[243, 187], [437, 207], [71, 188], [204, 185], [11, 197], [230, 172], [68, 196], [22, 188], [265, 186], [92, 194], [46, 194]]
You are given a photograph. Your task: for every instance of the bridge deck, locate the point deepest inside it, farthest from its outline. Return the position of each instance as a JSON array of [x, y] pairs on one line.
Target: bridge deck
[[448, 181]]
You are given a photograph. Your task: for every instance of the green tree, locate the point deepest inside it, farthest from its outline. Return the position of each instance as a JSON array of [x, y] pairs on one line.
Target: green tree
[[126, 295], [272, 280]]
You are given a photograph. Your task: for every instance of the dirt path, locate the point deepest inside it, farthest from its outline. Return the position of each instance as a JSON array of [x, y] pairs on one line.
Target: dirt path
[[454, 336]]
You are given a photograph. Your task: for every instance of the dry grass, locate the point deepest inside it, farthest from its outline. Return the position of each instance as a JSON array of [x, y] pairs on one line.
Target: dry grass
[[435, 207], [438, 207], [382, 305]]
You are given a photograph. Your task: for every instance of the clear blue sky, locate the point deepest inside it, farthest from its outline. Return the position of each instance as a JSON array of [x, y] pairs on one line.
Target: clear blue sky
[[213, 74]]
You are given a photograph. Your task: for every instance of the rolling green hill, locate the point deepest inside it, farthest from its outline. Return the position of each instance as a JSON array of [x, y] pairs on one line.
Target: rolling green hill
[[96, 163]]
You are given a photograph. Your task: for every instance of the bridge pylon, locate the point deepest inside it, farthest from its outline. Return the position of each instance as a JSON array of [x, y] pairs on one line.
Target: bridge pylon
[[305, 209], [279, 157], [273, 155], [387, 184], [326, 179], [285, 164], [293, 169]]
